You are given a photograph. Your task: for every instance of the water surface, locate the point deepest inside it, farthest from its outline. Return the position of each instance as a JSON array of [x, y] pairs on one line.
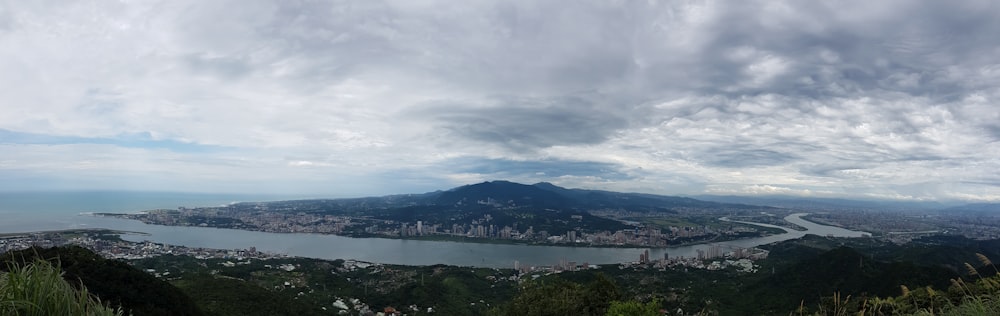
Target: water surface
[[55, 211]]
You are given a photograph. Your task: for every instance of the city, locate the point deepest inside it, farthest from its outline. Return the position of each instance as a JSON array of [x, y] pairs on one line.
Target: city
[[477, 229]]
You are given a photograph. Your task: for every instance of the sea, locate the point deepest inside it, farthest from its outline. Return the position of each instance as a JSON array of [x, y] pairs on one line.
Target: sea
[[46, 211]]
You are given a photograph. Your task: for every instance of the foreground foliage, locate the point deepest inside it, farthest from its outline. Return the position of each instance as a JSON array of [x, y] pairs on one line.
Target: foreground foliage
[[115, 282], [864, 273], [634, 308], [39, 289], [980, 295], [559, 297]]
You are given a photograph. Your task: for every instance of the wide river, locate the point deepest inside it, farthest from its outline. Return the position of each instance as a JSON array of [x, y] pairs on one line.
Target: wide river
[[22, 214], [418, 252]]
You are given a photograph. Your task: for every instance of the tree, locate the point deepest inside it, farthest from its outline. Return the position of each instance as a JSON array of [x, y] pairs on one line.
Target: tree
[[633, 308], [559, 297]]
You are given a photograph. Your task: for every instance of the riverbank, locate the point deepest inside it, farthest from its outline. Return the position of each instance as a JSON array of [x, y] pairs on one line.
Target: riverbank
[[718, 234], [410, 252], [474, 240], [71, 232]]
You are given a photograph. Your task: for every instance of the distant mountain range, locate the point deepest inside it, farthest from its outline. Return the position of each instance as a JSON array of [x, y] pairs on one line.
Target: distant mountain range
[[976, 208], [540, 195], [542, 206], [830, 204], [544, 195]]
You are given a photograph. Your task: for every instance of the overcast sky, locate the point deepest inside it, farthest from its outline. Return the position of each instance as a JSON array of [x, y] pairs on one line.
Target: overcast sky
[[865, 99]]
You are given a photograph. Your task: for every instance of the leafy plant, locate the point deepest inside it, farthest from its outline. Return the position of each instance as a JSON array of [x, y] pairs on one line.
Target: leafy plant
[[39, 289]]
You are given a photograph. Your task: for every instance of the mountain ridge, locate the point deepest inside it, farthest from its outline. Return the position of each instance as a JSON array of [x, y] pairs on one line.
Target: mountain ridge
[[542, 195]]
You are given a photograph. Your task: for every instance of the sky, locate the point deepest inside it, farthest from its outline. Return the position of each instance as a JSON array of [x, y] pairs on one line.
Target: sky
[[857, 99]]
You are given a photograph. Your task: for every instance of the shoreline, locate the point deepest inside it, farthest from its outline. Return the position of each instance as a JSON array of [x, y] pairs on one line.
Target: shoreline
[[454, 239], [72, 230]]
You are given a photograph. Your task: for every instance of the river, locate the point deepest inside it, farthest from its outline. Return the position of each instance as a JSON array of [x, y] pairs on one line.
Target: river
[[24, 212], [418, 252]]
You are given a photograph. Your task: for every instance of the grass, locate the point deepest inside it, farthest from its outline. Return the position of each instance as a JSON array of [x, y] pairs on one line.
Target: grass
[[981, 296], [39, 289]]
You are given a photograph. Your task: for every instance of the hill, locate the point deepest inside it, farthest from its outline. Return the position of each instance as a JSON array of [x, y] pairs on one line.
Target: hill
[[845, 270], [599, 199], [543, 209], [500, 193], [114, 282], [503, 193], [977, 208], [825, 204]]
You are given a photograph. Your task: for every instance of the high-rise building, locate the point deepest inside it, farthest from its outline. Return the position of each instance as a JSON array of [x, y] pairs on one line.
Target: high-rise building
[[420, 227], [714, 251]]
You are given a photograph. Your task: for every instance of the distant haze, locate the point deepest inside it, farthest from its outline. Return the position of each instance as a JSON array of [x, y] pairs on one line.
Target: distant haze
[[833, 99]]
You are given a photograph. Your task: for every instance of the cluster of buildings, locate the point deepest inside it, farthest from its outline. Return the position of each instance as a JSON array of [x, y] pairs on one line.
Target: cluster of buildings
[[901, 227], [714, 259], [263, 219], [741, 259], [639, 236], [111, 248]]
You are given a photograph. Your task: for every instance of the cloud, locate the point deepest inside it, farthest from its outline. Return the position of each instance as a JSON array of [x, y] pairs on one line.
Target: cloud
[[680, 97], [541, 169], [760, 189], [736, 158], [142, 140], [522, 124]]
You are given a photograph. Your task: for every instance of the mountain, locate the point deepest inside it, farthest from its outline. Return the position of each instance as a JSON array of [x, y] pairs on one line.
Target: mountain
[[504, 203], [494, 205], [503, 193], [598, 199], [976, 208], [829, 204]]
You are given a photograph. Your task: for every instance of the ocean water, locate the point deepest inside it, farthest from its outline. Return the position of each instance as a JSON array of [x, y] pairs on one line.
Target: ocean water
[[39, 211]]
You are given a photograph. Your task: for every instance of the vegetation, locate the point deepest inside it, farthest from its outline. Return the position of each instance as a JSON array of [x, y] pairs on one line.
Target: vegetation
[[560, 297], [307, 286], [224, 296], [979, 296], [39, 289], [115, 282], [634, 308], [798, 278]]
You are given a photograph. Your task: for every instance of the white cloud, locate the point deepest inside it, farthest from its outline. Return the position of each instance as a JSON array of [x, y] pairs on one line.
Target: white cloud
[[682, 97]]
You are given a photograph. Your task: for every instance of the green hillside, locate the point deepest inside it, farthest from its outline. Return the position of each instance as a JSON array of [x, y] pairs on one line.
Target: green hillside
[[114, 282]]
